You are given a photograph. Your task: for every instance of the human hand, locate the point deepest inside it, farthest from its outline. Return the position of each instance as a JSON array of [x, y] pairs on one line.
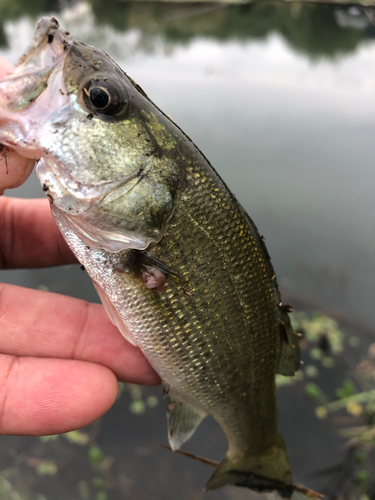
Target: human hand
[[60, 358]]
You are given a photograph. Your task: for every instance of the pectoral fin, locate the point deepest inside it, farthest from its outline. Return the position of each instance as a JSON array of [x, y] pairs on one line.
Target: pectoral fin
[[183, 419], [147, 261]]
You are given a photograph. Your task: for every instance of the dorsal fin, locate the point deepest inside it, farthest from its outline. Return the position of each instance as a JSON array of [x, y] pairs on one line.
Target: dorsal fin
[[289, 361]]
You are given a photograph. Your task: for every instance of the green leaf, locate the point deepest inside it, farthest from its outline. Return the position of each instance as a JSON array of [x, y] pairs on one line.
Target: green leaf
[[46, 468], [152, 401], [96, 456], [362, 477], [313, 392], [137, 407], [97, 482], [354, 341], [45, 439], [83, 489], [347, 389], [311, 371], [77, 437]]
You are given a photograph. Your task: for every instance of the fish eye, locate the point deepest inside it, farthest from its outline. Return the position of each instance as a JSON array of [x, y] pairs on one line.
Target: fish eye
[[105, 97], [99, 97]]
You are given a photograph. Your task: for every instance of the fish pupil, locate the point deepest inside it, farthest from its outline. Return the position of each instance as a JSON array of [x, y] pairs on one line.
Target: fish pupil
[[106, 99], [99, 97]]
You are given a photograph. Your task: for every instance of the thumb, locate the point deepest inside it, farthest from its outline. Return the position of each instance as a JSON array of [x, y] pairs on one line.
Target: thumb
[[14, 169]]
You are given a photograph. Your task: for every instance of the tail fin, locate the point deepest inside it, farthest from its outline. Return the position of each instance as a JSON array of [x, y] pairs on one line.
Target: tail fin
[[267, 472]]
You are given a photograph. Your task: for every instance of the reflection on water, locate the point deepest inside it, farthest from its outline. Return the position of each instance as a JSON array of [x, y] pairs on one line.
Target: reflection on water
[[315, 30], [281, 100]]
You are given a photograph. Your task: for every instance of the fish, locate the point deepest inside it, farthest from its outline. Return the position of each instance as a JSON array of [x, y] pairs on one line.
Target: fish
[[178, 264]]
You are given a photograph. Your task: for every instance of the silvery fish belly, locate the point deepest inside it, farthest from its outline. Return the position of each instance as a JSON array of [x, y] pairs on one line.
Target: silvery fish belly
[[178, 264]]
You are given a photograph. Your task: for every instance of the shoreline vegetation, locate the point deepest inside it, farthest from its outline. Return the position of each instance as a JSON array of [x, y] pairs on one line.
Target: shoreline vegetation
[[342, 26]]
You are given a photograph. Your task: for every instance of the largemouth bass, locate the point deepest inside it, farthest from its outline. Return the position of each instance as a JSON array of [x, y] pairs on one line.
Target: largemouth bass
[[179, 266]]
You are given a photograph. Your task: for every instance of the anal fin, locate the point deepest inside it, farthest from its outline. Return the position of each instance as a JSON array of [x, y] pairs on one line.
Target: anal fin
[[183, 419]]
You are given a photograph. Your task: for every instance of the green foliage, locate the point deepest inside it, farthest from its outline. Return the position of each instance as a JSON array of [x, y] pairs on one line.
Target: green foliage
[[46, 468], [83, 489], [347, 389], [311, 371], [96, 456], [11, 9], [138, 405], [46, 439], [318, 329], [314, 392], [152, 401], [308, 27], [7, 492], [362, 477], [282, 380], [329, 346], [354, 341], [327, 362], [51, 455], [97, 482], [321, 412], [360, 456], [77, 437]]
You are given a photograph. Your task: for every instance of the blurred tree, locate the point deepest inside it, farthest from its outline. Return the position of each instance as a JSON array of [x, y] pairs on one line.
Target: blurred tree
[[13, 9], [309, 28]]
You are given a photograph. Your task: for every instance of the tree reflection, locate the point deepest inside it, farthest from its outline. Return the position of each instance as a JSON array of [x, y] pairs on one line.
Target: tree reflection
[[13, 9], [309, 28]]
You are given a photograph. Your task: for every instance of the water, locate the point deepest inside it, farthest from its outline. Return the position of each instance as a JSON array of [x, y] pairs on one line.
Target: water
[[281, 99]]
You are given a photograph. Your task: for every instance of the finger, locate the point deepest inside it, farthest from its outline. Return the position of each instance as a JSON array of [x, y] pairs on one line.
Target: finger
[[35, 323], [14, 169], [29, 235], [48, 396]]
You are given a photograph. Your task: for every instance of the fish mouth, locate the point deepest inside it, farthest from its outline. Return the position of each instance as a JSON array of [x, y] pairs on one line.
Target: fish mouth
[[33, 71], [26, 94], [48, 34]]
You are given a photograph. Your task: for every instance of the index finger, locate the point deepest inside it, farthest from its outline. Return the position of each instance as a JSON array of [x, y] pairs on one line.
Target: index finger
[[14, 169]]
